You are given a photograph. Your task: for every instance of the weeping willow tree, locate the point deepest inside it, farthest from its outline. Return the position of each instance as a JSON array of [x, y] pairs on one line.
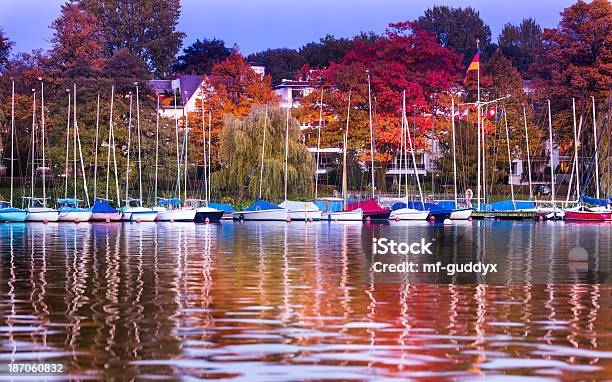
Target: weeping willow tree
[[240, 156]]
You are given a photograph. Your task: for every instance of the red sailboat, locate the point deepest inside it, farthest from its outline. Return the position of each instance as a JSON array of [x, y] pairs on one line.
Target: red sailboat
[[371, 209], [588, 214]]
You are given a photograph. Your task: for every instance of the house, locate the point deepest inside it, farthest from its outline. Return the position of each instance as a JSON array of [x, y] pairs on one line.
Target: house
[[188, 86], [291, 92]]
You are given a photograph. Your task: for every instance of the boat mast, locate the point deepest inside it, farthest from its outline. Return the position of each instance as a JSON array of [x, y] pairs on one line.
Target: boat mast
[[95, 184], [33, 146], [178, 159], [204, 151], [42, 118], [108, 151], [74, 151], [509, 159], [401, 155], [186, 142], [319, 143], [552, 166], [139, 148], [345, 144], [67, 144], [404, 133], [156, 149], [454, 149], [209, 156], [78, 140], [478, 186], [371, 131], [127, 167], [416, 175], [576, 150], [286, 151], [12, 138], [263, 145], [528, 153], [595, 143]]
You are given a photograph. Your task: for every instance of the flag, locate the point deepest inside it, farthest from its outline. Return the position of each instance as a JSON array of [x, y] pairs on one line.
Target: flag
[[492, 112], [499, 116], [456, 113], [474, 64], [464, 114]]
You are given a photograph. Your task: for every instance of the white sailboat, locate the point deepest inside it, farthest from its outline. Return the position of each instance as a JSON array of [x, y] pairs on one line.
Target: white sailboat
[[296, 210], [69, 210], [8, 213], [354, 215], [407, 213], [261, 209], [170, 209], [102, 209], [137, 213], [37, 207]]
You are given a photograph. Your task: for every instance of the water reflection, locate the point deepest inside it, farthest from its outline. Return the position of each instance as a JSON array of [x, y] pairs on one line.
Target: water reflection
[[276, 301]]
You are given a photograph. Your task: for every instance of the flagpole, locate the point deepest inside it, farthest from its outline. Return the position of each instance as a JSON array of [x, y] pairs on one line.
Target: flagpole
[[509, 158], [478, 189], [552, 167]]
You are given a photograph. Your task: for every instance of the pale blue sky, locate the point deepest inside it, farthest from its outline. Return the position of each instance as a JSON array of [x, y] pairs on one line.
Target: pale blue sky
[[259, 24]]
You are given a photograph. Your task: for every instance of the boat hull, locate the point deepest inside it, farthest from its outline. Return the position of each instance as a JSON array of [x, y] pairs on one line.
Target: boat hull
[[408, 214], [355, 215], [42, 214], [382, 215], [139, 214], [593, 216], [304, 215], [461, 214], [178, 215], [13, 215], [74, 216], [213, 216], [103, 216], [273, 214]]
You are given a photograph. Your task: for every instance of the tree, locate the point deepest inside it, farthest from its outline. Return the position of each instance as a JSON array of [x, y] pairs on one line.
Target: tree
[[146, 28], [77, 36], [329, 49], [458, 29], [405, 58], [240, 153], [125, 68], [199, 57], [5, 50], [521, 43], [280, 63]]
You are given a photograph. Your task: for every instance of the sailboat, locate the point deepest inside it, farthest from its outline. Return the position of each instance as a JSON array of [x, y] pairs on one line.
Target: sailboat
[[205, 213], [37, 207], [8, 213], [261, 209], [601, 211], [137, 213], [69, 210], [296, 210], [344, 215], [171, 209], [402, 210], [102, 209]]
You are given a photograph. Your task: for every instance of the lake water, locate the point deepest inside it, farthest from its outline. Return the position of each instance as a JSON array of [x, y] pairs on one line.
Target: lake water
[[276, 302]]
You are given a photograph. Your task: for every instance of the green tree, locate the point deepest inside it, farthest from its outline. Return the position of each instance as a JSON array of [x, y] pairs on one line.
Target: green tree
[[521, 43], [458, 29], [125, 68], [240, 155], [5, 50], [329, 49], [146, 28], [280, 63], [199, 57]]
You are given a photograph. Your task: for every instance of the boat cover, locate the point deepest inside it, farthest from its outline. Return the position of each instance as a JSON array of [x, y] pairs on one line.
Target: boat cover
[[170, 202], [262, 205], [368, 206], [222, 207], [593, 201], [329, 204], [506, 205], [299, 206], [102, 207]]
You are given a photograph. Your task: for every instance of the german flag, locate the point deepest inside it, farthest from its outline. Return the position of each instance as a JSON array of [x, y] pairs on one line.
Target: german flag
[[474, 64]]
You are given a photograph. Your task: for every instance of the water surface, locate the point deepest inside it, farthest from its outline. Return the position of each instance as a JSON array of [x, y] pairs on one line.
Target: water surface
[[276, 302]]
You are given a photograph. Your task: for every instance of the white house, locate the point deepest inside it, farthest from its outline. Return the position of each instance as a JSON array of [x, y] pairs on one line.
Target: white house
[[188, 86], [292, 92]]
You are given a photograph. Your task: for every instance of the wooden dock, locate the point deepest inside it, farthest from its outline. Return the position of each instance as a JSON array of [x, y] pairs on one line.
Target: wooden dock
[[505, 215]]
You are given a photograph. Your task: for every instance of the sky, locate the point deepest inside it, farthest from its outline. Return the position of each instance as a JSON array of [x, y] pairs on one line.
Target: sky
[[256, 25]]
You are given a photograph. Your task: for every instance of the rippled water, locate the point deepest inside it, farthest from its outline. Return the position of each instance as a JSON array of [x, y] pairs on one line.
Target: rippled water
[[277, 302]]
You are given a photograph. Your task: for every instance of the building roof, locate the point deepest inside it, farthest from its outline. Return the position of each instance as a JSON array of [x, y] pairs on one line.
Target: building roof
[[295, 84]]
